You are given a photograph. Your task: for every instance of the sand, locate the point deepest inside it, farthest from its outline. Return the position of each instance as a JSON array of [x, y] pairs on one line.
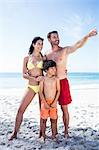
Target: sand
[[83, 127]]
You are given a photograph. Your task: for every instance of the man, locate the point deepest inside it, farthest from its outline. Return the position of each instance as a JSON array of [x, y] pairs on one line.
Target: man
[[59, 55]]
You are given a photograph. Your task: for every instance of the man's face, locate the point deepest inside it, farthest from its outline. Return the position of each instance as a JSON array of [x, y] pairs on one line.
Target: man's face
[[54, 39]]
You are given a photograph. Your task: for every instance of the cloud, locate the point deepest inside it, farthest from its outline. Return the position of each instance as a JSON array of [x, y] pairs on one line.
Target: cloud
[[75, 25]]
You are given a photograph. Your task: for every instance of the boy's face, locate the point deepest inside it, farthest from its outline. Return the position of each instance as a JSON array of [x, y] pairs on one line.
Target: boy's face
[[52, 71]]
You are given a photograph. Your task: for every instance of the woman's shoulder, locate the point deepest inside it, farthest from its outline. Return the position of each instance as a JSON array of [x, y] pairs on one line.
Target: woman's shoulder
[[26, 57]]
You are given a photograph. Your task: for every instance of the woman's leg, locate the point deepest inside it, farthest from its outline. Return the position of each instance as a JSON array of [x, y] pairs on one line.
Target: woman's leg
[[19, 117]]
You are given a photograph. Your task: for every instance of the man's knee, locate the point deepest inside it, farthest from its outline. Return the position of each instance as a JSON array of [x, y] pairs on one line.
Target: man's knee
[[64, 106]]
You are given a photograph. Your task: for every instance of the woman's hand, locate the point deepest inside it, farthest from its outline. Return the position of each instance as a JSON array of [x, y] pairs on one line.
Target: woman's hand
[[39, 78], [32, 78]]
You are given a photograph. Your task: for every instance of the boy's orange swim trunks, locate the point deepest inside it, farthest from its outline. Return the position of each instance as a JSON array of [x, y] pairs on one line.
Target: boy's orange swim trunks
[[51, 112], [65, 96]]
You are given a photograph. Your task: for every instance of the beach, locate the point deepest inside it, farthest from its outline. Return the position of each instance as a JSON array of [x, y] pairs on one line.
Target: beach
[[83, 127]]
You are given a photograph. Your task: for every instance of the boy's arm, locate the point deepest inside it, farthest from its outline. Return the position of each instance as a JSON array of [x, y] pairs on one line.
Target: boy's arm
[[41, 90], [79, 44], [58, 92], [41, 93]]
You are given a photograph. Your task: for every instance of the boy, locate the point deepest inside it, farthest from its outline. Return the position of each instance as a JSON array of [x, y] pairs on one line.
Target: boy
[[49, 94]]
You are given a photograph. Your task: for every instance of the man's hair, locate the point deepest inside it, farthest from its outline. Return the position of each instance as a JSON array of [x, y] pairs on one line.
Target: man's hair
[[49, 34], [48, 63]]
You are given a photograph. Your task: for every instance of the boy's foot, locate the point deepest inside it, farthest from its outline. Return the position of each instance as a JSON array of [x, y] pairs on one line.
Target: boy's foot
[[54, 138], [41, 139], [13, 136]]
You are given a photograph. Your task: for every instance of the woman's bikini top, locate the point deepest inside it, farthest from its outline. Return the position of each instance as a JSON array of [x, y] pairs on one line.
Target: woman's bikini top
[[30, 65]]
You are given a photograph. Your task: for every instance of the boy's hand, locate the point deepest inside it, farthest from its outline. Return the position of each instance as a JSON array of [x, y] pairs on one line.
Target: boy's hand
[[46, 106], [54, 104]]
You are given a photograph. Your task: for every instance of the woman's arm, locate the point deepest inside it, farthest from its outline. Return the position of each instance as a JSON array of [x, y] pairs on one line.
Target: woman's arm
[[26, 75], [25, 71]]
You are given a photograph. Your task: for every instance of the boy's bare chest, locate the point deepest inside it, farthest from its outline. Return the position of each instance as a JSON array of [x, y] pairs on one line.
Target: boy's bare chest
[[50, 82]]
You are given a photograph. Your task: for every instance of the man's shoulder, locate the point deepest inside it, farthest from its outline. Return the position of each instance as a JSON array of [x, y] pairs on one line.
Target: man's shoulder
[[49, 54], [63, 49]]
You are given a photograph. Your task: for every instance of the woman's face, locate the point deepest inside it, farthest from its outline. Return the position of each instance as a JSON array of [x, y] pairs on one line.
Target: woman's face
[[38, 45]]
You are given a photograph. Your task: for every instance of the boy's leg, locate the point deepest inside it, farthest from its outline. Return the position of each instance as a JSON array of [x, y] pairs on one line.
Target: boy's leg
[[44, 113], [53, 127], [53, 119], [41, 120], [56, 127], [44, 128], [41, 124]]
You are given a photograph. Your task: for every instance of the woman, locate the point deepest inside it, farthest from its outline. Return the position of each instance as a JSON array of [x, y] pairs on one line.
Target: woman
[[32, 70]]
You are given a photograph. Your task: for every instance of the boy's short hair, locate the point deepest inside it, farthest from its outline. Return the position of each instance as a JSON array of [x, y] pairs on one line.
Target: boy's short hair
[[48, 63]]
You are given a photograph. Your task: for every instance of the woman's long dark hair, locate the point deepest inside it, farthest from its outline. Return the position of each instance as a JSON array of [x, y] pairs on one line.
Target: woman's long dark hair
[[31, 49]]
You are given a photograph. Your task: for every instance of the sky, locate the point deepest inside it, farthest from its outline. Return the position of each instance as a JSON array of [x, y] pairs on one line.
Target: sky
[[22, 20]]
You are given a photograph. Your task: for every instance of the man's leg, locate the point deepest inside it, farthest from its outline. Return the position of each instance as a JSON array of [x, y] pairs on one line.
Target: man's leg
[[65, 119]]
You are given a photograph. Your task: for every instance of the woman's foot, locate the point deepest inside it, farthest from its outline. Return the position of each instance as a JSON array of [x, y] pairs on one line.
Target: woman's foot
[[13, 136]]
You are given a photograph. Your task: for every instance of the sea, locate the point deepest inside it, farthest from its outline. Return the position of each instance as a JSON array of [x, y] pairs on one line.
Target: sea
[[15, 80]]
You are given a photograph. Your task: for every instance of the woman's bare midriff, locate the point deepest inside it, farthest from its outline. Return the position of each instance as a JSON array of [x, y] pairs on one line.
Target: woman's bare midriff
[[35, 72]]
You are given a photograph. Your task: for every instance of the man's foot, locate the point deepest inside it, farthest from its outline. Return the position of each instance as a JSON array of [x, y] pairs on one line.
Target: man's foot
[[66, 135], [13, 136]]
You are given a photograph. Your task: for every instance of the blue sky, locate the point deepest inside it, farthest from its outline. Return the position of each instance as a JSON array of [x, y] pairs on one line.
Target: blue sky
[[21, 20]]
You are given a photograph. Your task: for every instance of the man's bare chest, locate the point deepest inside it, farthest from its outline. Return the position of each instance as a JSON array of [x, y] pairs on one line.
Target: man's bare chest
[[58, 58]]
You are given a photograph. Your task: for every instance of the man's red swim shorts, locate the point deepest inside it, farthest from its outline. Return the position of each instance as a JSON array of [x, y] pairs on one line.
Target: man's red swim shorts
[[65, 96]]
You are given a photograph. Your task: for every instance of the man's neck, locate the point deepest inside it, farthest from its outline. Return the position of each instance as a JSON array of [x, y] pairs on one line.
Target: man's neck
[[55, 48]]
